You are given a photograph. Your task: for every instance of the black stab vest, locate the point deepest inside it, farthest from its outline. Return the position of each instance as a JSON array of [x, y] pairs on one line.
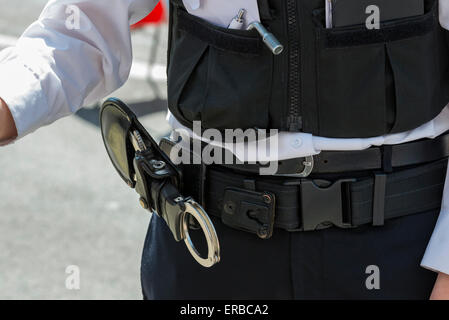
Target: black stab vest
[[343, 82]]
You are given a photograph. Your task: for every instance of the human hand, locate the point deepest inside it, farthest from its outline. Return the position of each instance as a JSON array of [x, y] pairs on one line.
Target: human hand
[[8, 130], [441, 288]]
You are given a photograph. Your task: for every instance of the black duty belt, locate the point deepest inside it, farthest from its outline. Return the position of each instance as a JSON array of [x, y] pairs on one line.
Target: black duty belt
[[378, 185], [383, 158], [259, 204]]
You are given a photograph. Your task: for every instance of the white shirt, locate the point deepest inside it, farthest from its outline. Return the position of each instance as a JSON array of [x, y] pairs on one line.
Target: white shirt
[[54, 70]]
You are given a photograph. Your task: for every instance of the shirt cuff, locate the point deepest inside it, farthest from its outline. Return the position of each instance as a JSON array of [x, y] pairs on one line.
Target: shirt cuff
[[436, 257], [21, 90]]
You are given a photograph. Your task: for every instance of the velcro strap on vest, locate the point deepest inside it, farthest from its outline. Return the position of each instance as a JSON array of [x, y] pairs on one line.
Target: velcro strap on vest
[[237, 41], [389, 31]]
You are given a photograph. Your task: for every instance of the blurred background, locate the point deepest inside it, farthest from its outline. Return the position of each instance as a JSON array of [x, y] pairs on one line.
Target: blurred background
[[61, 201]]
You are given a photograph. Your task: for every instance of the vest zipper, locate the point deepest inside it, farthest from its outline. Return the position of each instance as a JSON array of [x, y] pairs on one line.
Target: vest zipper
[[294, 76]]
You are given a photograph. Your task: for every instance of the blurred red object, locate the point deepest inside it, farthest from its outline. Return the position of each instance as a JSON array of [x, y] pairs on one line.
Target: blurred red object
[[156, 16]]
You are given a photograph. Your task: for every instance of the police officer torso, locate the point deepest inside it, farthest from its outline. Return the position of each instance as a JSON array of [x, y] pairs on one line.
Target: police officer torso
[[341, 82], [344, 82]]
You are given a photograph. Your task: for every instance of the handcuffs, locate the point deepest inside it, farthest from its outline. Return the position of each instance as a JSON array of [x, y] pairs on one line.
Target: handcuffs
[[142, 164]]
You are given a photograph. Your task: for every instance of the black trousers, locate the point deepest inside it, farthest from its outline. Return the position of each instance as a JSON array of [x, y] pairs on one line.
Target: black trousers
[[327, 264]]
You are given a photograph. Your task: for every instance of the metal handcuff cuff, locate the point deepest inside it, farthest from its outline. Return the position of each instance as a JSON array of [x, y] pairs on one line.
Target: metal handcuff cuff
[[145, 167]]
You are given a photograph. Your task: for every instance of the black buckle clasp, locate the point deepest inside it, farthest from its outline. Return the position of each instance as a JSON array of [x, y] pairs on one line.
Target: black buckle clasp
[[325, 206], [249, 211]]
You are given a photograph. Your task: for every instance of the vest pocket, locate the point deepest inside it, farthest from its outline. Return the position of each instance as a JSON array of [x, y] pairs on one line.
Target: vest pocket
[[420, 70], [373, 82], [218, 76], [351, 91], [189, 65]]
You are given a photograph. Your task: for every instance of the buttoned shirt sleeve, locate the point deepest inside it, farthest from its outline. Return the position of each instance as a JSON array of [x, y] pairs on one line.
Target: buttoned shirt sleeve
[[78, 51]]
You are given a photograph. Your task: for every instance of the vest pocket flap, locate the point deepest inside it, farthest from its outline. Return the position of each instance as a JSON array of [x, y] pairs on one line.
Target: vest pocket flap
[[238, 41], [389, 31]]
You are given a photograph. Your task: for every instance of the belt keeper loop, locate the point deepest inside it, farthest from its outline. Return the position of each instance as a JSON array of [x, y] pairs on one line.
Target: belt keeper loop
[[379, 190], [387, 154], [249, 184], [203, 173]]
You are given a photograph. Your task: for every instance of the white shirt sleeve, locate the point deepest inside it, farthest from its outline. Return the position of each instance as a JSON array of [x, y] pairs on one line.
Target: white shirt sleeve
[[444, 13], [436, 257], [77, 52]]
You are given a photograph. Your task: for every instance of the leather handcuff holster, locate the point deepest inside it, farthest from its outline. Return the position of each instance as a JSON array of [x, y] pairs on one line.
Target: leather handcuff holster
[[145, 167]]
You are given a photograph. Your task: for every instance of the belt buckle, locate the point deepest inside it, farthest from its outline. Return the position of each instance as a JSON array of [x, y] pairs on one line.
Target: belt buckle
[[308, 167], [308, 163], [324, 207]]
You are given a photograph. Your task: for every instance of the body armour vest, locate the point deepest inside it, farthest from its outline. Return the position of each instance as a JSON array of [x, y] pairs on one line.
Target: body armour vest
[[343, 82]]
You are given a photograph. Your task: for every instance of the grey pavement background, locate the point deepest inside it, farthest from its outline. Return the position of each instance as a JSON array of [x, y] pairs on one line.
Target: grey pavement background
[[61, 202]]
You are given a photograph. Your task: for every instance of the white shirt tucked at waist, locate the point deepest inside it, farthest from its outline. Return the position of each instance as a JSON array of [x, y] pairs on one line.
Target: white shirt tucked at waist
[[299, 144]]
